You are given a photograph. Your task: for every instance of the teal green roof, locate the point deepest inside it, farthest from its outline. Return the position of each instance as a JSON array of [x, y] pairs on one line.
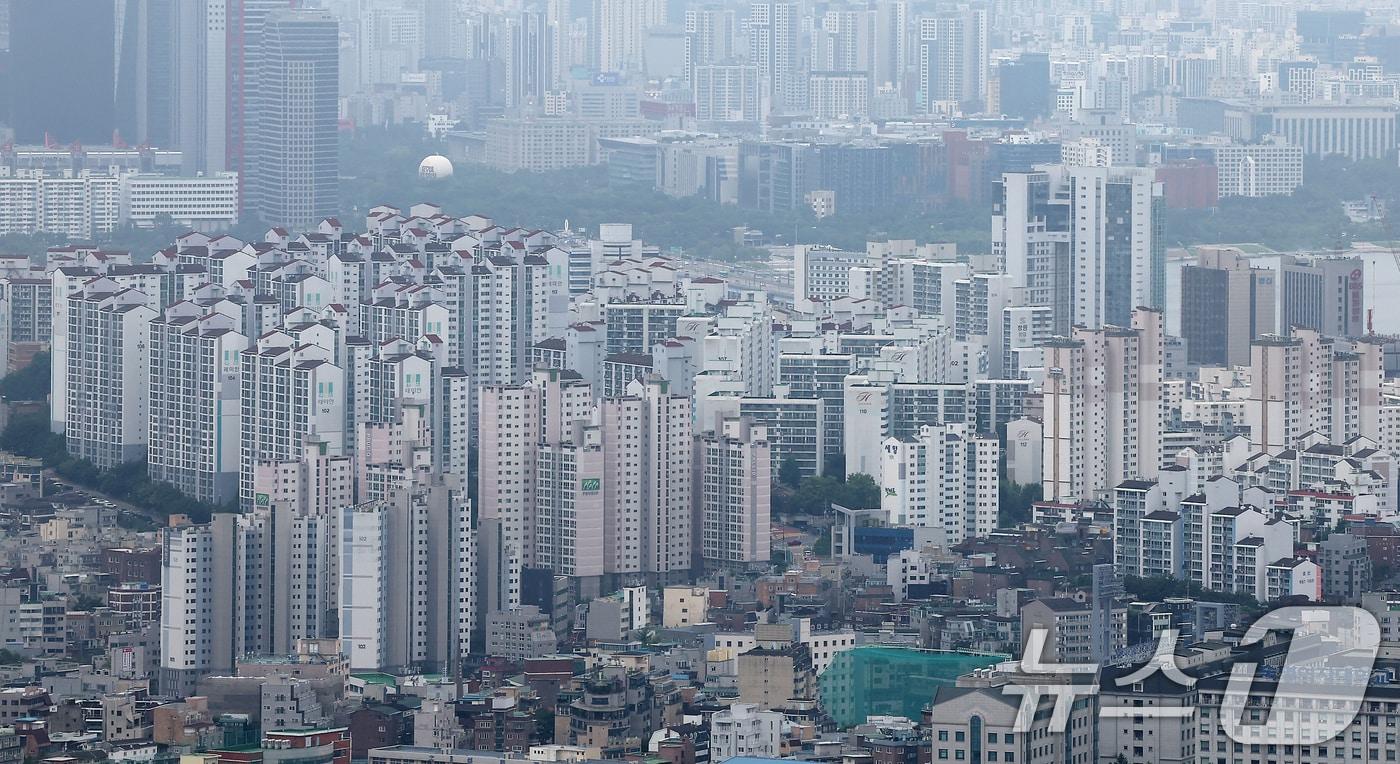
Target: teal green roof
[[376, 677], [891, 681]]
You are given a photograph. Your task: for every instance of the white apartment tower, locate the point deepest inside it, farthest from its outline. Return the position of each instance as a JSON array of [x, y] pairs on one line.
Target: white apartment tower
[[194, 405], [946, 478], [515, 422], [1103, 410], [1312, 383], [774, 34], [648, 473], [407, 578], [107, 330], [1116, 243], [214, 606], [290, 393], [732, 485]]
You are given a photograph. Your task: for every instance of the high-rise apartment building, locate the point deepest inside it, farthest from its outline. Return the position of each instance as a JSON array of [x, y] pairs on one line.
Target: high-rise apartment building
[[953, 59], [1119, 256], [732, 486], [106, 377], [214, 607], [648, 472], [946, 479], [728, 92], [518, 422], [1031, 238], [407, 578], [292, 394], [1308, 382], [194, 406], [774, 35], [1103, 411], [1086, 241], [619, 29], [291, 169]]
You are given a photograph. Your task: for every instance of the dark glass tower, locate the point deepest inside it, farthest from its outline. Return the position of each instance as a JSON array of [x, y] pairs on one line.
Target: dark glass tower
[[292, 147]]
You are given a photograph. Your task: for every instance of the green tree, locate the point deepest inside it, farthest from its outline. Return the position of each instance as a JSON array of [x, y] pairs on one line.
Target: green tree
[[815, 494], [1014, 502], [860, 492], [789, 474], [28, 384]]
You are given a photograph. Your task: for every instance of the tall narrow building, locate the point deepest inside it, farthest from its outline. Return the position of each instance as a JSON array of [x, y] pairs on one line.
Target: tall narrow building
[[214, 603], [1103, 411], [107, 375], [1116, 243], [194, 405], [774, 37], [953, 60], [732, 487], [407, 579], [292, 147]]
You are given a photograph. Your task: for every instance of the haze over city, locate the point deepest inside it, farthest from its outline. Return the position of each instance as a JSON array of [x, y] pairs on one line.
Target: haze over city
[[853, 382]]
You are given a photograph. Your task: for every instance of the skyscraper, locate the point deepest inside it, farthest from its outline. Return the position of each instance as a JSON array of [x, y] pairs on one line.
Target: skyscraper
[[292, 165], [953, 59], [146, 72], [201, 83], [246, 25], [61, 73], [773, 46], [1225, 304]]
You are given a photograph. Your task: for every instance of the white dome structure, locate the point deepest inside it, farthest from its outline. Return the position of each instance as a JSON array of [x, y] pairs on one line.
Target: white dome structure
[[435, 167]]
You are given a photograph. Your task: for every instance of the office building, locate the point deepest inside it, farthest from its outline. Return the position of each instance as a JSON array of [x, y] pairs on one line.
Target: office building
[[838, 95], [1225, 305], [1356, 132], [292, 174], [1326, 294], [68, 101]]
